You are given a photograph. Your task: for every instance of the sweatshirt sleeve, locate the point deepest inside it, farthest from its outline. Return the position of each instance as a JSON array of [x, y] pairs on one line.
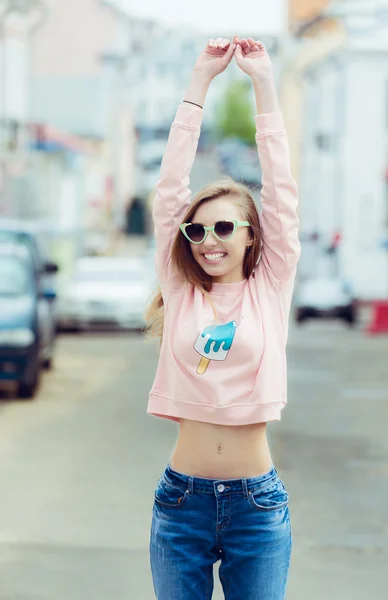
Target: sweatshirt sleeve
[[173, 195], [279, 199]]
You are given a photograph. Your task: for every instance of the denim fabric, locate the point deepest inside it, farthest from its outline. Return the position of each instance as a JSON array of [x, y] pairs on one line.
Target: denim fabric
[[244, 523]]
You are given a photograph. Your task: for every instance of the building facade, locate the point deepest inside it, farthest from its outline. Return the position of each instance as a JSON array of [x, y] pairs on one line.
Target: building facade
[[343, 162]]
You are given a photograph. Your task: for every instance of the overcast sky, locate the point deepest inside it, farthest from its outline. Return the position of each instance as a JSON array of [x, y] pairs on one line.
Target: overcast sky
[[215, 16]]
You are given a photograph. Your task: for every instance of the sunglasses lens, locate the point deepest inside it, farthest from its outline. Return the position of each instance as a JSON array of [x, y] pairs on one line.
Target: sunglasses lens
[[195, 232], [224, 229]]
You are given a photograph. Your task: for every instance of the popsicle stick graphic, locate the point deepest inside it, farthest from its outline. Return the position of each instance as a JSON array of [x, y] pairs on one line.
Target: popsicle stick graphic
[[214, 343], [203, 365]]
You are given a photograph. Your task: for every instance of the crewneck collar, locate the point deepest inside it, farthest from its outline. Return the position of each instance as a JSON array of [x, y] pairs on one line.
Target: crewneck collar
[[228, 288]]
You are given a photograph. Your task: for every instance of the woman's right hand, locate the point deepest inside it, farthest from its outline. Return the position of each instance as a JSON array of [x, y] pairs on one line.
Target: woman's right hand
[[215, 58]]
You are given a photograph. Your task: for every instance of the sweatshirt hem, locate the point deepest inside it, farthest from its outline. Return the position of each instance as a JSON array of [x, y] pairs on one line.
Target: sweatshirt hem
[[236, 414]]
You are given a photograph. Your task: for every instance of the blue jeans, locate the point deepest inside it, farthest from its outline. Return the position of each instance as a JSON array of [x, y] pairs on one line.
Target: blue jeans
[[244, 523]]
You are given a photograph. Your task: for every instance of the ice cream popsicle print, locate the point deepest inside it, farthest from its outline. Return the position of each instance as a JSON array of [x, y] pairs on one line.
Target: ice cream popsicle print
[[214, 343]]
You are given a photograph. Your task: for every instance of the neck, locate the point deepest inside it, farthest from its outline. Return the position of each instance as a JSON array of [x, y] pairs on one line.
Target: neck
[[234, 277]]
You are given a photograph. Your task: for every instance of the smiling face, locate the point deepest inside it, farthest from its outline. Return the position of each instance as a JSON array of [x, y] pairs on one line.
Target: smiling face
[[223, 261]]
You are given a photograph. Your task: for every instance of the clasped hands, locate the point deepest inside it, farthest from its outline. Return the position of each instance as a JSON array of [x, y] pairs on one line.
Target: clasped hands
[[250, 55]]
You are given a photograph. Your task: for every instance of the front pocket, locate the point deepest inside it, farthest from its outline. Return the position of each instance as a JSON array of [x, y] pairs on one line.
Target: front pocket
[[274, 497], [168, 496]]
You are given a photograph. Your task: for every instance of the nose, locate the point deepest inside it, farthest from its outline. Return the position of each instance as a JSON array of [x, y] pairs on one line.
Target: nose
[[210, 241]]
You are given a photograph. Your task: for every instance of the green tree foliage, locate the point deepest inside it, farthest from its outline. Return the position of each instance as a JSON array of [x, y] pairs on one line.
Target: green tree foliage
[[235, 115]]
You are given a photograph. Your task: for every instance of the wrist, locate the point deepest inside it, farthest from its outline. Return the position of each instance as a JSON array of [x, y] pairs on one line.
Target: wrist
[[266, 96], [263, 83], [200, 77], [197, 88]]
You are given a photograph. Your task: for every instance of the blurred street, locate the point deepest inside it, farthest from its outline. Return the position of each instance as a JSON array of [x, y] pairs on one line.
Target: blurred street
[[78, 466], [88, 93]]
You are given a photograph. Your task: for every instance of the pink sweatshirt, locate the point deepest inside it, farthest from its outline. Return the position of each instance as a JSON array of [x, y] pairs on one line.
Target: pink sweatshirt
[[232, 373]]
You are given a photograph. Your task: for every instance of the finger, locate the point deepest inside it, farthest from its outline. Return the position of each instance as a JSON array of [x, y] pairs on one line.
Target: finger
[[225, 43], [211, 42], [253, 45], [238, 52], [218, 42], [229, 53], [260, 46], [244, 45]]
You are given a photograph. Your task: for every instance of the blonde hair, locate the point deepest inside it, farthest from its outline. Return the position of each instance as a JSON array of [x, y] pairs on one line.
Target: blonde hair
[[181, 255]]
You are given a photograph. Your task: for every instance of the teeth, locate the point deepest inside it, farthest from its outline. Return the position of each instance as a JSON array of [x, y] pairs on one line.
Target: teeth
[[214, 256]]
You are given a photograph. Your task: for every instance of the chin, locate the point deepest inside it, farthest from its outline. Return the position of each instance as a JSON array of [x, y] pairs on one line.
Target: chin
[[214, 270]]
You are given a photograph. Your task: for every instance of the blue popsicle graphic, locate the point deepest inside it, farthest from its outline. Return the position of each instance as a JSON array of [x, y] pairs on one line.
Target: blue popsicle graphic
[[218, 341]]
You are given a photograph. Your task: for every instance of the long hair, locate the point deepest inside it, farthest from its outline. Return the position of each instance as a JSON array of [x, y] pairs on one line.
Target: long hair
[[181, 256]]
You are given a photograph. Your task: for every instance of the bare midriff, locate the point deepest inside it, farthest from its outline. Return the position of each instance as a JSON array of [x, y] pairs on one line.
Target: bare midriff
[[221, 451]]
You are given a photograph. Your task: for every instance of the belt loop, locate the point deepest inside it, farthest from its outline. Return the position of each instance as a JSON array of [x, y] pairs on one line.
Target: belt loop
[[190, 484], [244, 487]]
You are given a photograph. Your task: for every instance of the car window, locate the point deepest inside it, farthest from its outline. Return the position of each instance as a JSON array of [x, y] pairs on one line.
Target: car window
[[22, 239], [15, 279]]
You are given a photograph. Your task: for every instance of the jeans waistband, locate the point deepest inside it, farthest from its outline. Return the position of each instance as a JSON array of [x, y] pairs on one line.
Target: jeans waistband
[[223, 486]]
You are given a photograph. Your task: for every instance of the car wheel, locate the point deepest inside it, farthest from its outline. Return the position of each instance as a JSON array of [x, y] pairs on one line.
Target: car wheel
[[48, 363], [300, 317], [29, 389], [349, 316]]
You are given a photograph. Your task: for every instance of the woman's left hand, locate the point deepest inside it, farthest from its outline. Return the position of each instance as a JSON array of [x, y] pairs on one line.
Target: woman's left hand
[[252, 58], [215, 58]]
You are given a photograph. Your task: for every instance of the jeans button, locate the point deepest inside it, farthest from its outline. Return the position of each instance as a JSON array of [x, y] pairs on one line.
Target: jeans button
[[221, 488]]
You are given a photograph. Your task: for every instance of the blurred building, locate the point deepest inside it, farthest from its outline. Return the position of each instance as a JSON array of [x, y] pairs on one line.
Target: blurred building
[[19, 23], [335, 102], [313, 36], [79, 89], [306, 12]]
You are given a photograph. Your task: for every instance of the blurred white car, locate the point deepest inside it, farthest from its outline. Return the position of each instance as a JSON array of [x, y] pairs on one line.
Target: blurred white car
[[325, 297], [106, 292], [151, 152]]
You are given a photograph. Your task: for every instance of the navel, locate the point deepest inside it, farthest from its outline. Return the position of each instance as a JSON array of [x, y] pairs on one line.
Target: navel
[[219, 449]]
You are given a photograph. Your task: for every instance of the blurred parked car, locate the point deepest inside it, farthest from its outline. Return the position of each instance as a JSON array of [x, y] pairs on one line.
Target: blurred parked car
[[30, 236], [240, 162], [27, 324], [325, 297], [245, 171], [151, 151], [149, 159], [105, 292], [228, 149], [16, 232]]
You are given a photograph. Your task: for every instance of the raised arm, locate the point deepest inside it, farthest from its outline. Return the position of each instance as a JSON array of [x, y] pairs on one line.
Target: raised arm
[[172, 190], [279, 197]]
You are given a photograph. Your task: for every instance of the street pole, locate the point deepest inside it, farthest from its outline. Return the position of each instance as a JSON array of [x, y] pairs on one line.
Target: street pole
[[6, 8], [41, 15]]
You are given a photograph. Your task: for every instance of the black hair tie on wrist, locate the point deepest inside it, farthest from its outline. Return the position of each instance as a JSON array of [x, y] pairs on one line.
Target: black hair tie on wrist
[[188, 102]]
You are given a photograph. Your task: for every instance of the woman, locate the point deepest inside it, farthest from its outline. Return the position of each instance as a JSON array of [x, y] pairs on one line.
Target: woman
[[226, 279]]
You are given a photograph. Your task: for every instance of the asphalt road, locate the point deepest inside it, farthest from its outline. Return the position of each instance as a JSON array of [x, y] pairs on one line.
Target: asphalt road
[[79, 464]]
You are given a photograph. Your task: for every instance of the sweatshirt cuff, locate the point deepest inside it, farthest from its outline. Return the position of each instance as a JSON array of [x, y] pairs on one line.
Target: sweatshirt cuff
[[189, 115], [269, 123]]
